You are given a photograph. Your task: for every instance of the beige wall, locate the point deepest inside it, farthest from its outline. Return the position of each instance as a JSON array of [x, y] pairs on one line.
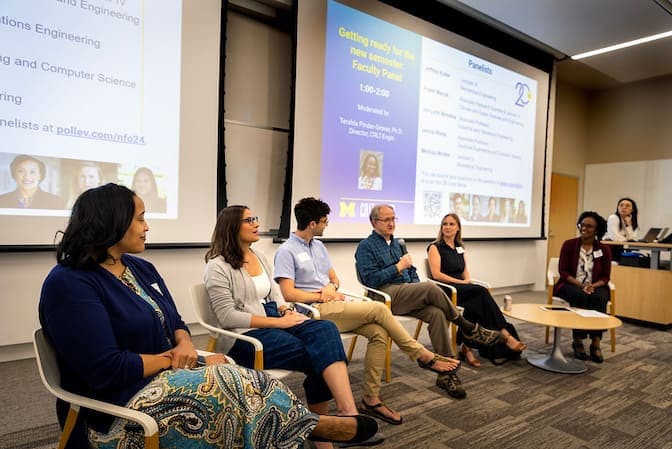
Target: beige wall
[[570, 142], [631, 123]]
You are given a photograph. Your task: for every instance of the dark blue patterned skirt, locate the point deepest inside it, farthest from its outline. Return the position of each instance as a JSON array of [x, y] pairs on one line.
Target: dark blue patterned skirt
[[218, 406]]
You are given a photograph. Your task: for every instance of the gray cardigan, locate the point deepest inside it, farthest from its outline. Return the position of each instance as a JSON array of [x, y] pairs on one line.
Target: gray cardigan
[[233, 297]]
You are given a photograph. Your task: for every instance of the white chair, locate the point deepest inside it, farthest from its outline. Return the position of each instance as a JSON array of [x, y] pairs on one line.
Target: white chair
[[552, 276], [453, 298], [51, 378], [207, 319]]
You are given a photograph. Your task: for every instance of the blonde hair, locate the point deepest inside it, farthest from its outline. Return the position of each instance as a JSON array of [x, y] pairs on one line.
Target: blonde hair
[[458, 236]]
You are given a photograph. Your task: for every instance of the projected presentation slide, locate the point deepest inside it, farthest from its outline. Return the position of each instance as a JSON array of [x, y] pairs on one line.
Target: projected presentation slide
[[90, 94], [422, 126]]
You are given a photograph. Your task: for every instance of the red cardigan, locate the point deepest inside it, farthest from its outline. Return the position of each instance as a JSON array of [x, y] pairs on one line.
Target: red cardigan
[[569, 261]]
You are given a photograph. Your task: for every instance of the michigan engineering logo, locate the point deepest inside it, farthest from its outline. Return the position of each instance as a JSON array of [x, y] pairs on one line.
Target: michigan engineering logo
[[346, 209]]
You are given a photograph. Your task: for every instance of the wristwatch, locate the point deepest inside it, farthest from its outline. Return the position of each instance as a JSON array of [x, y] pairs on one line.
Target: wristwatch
[[287, 309]]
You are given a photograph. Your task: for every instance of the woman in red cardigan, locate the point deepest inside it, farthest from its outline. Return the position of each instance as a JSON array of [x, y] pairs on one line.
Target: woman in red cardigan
[[585, 267]]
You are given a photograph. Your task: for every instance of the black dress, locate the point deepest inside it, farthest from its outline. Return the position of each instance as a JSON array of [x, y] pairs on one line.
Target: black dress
[[479, 306]]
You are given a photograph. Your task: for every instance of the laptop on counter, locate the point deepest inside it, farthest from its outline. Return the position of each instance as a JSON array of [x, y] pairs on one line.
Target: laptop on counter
[[654, 235]]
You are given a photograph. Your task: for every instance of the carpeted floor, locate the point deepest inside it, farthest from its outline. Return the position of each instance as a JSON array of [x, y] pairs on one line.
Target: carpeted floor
[[626, 402]]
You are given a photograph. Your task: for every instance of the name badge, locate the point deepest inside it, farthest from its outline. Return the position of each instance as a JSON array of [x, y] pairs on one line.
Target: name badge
[[303, 257], [155, 286], [459, 250], [597, 253]]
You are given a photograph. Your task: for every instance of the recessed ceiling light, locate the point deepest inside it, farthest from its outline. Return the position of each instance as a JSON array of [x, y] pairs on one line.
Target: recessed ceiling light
[[642, 40]]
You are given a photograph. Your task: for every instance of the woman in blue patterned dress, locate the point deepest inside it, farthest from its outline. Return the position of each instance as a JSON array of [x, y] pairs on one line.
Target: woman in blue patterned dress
[[120, 339]]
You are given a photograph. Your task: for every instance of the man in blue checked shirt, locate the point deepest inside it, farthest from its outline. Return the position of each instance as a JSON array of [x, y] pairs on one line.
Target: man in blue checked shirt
[[381, 264]]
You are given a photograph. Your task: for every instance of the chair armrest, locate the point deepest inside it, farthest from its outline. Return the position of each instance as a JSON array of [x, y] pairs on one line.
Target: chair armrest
[[453, 290], [550, 279], [351, 295], [208, 353], [481, 283], [258, 346], [384, 297], [149, 425], [314, 313], [558, 300]]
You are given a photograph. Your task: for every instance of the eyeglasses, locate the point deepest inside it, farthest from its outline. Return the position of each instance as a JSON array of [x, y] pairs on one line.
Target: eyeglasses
[[324, 220], [387, 220], [251, 220], [585, 225]]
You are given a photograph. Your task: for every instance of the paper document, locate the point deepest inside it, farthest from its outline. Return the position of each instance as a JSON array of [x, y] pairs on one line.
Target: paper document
[[590, 313]]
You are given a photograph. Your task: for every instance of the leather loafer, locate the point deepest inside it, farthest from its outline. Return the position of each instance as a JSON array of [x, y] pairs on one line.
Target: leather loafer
[[596, 354]]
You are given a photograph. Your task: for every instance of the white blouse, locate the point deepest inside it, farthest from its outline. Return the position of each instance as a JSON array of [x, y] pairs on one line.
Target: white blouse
[[263, 285]]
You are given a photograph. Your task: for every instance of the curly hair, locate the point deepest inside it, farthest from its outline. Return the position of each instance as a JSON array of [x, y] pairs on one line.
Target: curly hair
[[99, 219], [310, 209], [224, 241], [601, 227]]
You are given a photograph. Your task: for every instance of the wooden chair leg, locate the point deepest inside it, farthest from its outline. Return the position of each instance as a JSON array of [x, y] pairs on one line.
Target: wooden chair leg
[[211, 346], [70, 421], [388, 362], [453, 337], [418, 328], [351, 349], [613, 339], [152, 442], [548, 331]]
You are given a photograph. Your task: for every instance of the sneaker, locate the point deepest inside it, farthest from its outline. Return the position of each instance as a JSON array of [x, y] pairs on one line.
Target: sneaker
[[483, 336], [452, 385]]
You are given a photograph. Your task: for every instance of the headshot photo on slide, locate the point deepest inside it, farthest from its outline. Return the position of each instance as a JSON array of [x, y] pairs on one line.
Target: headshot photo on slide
[[370, 170]]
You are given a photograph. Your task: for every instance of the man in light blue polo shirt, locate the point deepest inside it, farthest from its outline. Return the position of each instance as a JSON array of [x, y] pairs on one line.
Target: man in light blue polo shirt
[[305, 274]]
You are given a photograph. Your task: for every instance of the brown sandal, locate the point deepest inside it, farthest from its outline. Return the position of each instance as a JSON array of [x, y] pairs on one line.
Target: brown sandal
[[467, 354], [520, 347]]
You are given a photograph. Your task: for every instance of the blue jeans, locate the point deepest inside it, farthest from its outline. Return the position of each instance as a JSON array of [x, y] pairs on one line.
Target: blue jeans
[[309, 347]]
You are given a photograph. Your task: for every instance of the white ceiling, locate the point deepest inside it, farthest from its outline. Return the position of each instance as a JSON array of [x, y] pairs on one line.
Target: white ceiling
[[569, 27]]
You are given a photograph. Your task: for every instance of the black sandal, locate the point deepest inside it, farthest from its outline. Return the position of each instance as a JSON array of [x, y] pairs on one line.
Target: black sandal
[[430, 365], [372, 410]]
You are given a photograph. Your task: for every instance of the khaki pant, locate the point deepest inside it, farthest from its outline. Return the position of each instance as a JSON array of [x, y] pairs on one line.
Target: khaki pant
[[374, 321]]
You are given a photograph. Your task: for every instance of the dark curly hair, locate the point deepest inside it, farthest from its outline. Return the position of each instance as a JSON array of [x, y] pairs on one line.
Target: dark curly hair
[[224, 241], [99, 219], [601, 227], [309, 209]]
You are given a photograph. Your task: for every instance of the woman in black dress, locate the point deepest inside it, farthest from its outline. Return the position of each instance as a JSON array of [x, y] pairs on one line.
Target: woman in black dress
[[447, 264]]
